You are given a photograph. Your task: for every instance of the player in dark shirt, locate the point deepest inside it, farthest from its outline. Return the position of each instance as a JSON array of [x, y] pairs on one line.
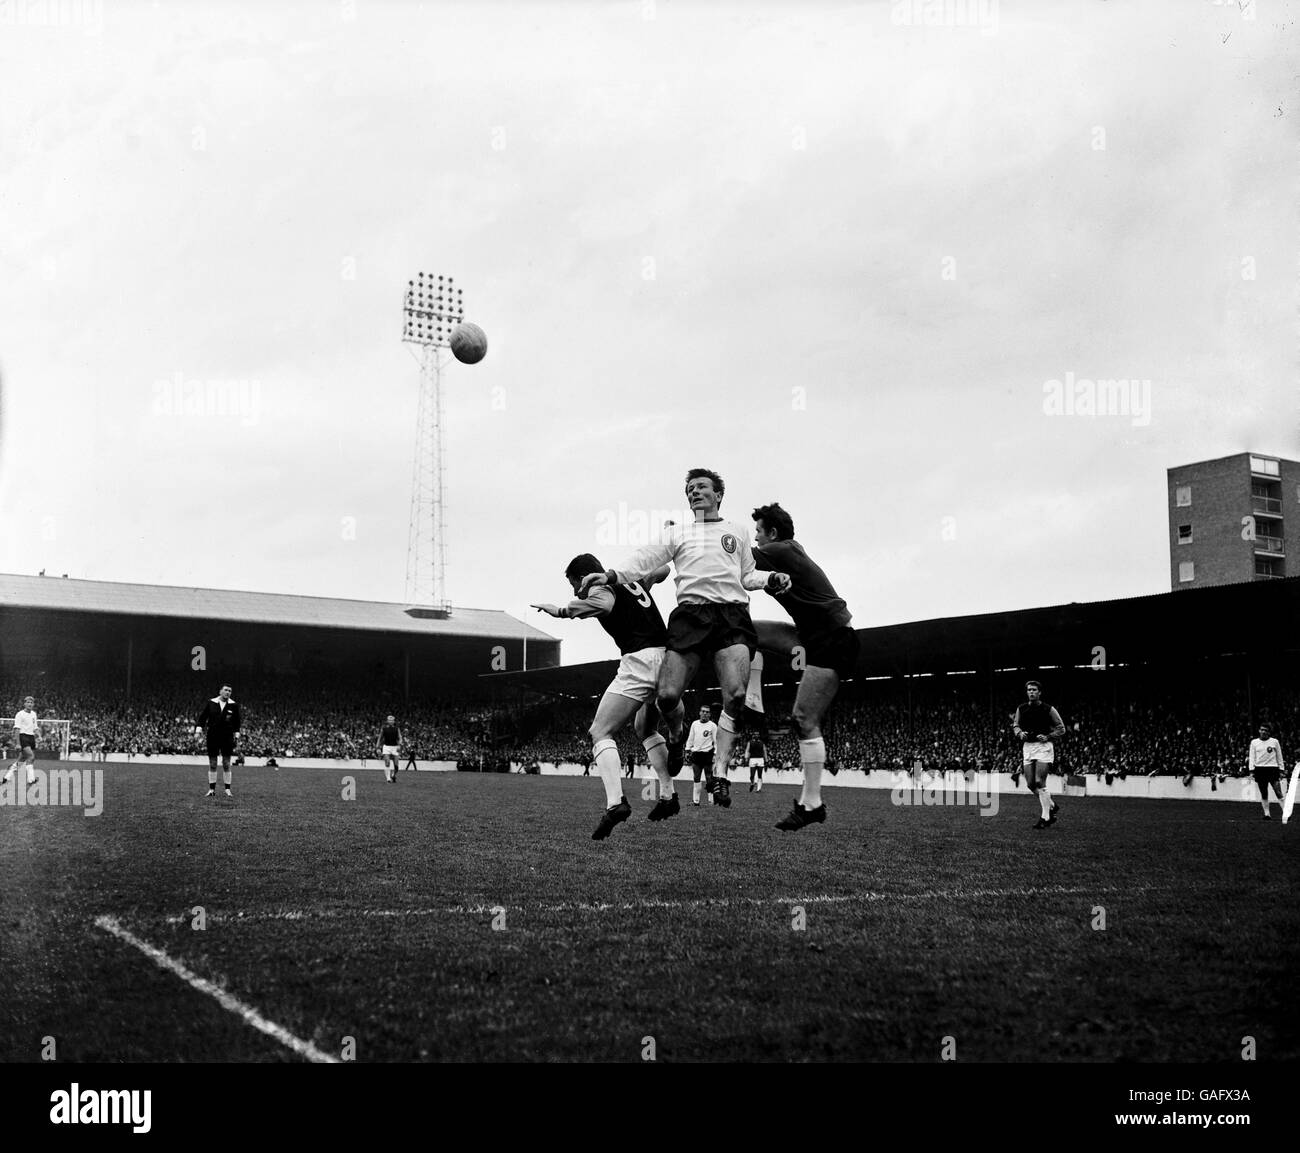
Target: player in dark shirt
[[390, 740], [629, 614], [221, 719], [1036, 724], [822, 643]]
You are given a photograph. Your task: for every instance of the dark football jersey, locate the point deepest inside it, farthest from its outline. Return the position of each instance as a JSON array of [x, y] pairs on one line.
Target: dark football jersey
[[812, 603], [390, 735], [1036, 717], [634, 622]]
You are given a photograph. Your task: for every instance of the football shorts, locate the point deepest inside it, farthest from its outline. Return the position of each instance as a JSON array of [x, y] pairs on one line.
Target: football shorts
[[1040, 751], [836, 650], [706, 629], [638, 675]]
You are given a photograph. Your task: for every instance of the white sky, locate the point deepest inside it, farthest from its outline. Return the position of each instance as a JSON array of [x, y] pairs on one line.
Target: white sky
[[666, 217]]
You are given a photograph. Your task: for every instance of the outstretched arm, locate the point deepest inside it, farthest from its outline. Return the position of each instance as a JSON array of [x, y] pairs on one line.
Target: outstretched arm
[[754, 580], [598, 600], [639, 565]]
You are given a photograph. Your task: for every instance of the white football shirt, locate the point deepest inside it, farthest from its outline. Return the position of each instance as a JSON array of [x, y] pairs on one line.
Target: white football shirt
[[25, 722], [700, 738], [712, 561], [1265, 754]]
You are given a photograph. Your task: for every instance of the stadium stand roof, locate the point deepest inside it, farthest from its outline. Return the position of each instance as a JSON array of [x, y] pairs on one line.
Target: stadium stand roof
[[87, 596], [1259, 616]]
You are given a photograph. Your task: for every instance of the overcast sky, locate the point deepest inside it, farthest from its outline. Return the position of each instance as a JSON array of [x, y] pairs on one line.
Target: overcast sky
[[834, 253]]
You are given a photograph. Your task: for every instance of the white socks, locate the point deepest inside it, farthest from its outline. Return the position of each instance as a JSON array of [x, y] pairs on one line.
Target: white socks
[[610, 768], [725, 738], [812, 755], [656, 749]]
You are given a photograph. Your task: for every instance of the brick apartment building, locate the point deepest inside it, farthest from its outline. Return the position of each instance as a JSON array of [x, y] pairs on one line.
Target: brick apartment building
[[1227, 518]]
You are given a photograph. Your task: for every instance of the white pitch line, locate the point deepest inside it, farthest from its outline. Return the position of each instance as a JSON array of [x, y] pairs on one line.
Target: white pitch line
[[653, 903], [246, 1013]]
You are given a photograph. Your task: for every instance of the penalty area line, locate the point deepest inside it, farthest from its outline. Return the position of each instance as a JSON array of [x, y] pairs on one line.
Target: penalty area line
[[479, 909], [232, 1004]]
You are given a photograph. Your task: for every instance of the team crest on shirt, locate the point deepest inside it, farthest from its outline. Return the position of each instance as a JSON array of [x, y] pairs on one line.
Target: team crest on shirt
[[728, 542]]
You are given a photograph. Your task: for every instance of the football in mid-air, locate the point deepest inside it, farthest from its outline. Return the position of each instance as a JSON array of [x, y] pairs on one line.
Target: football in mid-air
[[468, 343]]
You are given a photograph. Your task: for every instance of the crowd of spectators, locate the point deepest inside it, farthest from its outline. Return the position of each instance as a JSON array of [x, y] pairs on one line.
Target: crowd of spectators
[[1132, 724], [282, 718], [1117, 726]]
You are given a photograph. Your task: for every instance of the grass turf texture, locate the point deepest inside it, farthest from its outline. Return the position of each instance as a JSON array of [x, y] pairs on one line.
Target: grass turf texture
[[372, 918]]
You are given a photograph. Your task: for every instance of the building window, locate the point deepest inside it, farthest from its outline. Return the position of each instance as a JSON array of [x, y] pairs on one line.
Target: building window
[[1260, 465], [1268, 535], [1184, 534], [1183, 496], [1186, 571], [1268, 566]]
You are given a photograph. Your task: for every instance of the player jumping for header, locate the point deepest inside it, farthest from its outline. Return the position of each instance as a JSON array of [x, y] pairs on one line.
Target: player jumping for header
[[823, 630], [1037, 724], [26, 726], [629, 614], [714, 571]]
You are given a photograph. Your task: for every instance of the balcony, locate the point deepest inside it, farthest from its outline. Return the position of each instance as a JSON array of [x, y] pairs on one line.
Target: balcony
[[1270, 544], [1271, 505]]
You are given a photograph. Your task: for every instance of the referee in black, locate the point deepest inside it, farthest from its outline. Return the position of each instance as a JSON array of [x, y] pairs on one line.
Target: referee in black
[[221, 718]]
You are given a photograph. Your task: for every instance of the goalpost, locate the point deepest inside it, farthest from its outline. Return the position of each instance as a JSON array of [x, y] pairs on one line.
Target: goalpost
[[55, 734]]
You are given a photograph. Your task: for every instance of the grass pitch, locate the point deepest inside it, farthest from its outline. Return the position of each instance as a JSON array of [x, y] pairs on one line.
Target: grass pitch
[[466, 917]]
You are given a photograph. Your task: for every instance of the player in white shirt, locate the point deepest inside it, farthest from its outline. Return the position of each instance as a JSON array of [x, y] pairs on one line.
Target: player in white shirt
[[26, 725], [714, 569], [1266, 766], [700, 742]]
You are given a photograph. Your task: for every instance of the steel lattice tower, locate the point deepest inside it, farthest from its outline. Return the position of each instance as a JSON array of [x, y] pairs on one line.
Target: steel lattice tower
[[433, 307]]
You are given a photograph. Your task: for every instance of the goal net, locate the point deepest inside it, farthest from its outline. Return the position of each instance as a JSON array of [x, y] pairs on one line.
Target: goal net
[[53, 737]]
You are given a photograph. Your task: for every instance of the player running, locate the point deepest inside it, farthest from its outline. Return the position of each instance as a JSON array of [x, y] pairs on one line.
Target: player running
[[221, 717], [699, 747], [757, 755], [1265, 764], [627, 612], [390, 741], [714, 571], [26, 725], [823, 630], [1037, 724]]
